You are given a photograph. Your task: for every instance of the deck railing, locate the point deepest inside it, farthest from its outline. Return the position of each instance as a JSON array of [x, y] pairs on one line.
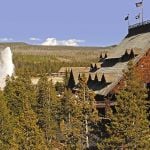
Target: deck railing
[[139, 24]]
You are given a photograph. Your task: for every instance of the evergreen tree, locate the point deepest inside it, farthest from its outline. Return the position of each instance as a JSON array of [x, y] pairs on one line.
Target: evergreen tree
[[70, 124], [14, 95], [79, 76], [80, 114], [26, 133], [66, 78], [128, 128], [32, 137], [6, 124], [47, 109], [87, 109], [59, 87], [66, 105]]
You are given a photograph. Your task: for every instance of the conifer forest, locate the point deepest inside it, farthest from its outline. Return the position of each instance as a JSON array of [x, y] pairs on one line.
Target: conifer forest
[[50, 117]]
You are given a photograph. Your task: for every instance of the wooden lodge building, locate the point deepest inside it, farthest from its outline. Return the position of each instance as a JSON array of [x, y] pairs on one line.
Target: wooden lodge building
[[105, 77]]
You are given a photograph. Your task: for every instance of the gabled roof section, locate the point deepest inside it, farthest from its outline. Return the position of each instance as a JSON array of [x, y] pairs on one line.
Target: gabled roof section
[[111, 68], [74, 69]]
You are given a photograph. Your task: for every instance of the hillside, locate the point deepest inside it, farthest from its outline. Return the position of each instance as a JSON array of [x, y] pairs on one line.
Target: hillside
[[38, 59], [138, 41], [27, 48]]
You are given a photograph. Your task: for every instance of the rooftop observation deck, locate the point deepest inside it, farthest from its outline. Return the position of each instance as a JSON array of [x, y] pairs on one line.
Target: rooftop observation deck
[[139, 24], [139, 28]]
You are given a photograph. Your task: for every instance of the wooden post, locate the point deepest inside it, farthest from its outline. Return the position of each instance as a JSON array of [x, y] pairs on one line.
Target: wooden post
[[142, 11], [86, 125]]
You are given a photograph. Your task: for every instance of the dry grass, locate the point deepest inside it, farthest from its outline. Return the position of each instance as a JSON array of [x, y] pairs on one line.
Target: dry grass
[[62, 53]]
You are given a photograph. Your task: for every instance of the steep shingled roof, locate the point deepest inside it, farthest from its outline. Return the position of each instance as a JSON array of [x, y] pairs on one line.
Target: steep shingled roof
[[112, 67]]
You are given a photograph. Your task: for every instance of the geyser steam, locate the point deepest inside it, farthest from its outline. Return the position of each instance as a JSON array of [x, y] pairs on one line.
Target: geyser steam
[[6, 65]]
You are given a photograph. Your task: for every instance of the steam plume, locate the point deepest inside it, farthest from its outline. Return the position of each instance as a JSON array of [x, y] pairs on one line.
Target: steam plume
[[6, 65]]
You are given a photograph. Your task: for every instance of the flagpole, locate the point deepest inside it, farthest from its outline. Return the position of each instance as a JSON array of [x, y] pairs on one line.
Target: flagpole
[[142, 11], [140, 19], [128, 21]]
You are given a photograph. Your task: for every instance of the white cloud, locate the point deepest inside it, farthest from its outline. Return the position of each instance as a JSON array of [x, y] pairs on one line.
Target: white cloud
[[34, 39], [55, 42], [6, 39]]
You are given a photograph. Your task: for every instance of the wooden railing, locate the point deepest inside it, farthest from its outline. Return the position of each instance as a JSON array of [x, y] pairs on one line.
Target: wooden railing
[[139, 24]]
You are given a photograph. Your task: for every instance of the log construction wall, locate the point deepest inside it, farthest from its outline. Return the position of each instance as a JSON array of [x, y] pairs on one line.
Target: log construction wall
[[143, 67]]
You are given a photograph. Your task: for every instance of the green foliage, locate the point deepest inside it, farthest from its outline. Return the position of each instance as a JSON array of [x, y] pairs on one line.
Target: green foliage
[[15, 93], [26, 133], [79, 114], [128, 127], [47, 109], [41, 120], [71, 121], [66, 78], [35, 118], [39, 64], [59, 87], [6, 124]]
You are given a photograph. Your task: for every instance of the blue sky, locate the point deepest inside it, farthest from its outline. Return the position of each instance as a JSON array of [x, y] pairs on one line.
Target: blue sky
[[90, 22]]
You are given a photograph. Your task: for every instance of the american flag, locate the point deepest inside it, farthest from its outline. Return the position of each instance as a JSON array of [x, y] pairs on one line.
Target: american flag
[[126, 18], [139, 4], [137, 17]]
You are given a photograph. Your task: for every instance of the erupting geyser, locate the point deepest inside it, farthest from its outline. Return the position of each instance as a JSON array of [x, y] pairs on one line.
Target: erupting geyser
[[6, 65]]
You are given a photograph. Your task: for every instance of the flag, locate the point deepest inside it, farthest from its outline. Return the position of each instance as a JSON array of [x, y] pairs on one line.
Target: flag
[[127, 18], [137, 17], [139, 4]]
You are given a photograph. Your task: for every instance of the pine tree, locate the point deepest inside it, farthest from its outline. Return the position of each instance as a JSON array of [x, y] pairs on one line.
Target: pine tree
[[66, 105], [129, 127], [14, 95], [59, 87], [26, 133], [80, 114], [70, 123], [6, 124], [32, 138], [87, 109], [66, 78], [47, 109]]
